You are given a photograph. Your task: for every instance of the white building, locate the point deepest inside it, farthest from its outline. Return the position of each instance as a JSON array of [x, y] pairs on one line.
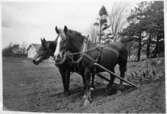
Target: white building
[[32, 49]]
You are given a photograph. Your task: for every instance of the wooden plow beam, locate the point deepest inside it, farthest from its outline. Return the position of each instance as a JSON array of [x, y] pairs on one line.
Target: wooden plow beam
[[107, 70], [101, 76]]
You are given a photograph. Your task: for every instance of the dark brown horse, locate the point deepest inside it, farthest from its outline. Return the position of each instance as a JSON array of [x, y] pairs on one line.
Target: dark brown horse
[[69, 41], [47, 50]]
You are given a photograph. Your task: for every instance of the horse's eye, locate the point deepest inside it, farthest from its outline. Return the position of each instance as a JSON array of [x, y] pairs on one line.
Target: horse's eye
[[63, 40], [44, 48]]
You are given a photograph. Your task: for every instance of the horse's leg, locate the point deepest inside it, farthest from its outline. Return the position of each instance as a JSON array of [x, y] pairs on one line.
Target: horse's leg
[[122, 74], [87, 91], [110, 89], [65, 79], [122, 69], [92, 80], [67, 83], [112, 77], [84, 81], [122, 61]]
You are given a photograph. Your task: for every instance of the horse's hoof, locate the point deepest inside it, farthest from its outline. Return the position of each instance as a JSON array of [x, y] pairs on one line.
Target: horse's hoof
[[67, 93], [121, 87], [86, 102], [111, 91], [109, 86], [92, 88], [119, 92]]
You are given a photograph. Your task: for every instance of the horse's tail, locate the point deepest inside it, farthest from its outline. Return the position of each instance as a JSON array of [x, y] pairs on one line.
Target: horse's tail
[[128, 39]]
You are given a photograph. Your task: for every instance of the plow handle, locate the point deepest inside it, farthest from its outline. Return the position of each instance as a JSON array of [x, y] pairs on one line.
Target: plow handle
[[102, 67]]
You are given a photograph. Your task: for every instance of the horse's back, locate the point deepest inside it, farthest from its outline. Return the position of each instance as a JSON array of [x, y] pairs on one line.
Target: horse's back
[[114, 53], [108, 58], [117, 45], [120, 47], [123, 53]]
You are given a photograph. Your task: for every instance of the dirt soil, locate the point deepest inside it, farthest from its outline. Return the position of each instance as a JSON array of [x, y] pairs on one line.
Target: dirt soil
[[31, 88]]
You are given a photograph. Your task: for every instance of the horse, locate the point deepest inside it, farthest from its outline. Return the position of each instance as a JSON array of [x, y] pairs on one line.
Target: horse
[[70, 42], [47, 50]]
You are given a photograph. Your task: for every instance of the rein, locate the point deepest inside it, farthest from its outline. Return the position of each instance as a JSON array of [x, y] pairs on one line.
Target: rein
[[62, 61], [83, 54]]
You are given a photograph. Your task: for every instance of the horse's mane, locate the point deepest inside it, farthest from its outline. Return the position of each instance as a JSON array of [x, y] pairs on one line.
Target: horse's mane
[[76, 37], [128, 39], [75, 33]]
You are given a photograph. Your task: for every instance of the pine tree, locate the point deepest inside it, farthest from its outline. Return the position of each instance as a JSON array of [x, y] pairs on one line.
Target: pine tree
[[101, 22], [147, 17]]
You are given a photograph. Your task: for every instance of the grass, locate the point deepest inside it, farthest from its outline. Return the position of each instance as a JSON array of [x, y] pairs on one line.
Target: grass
[[27, 87]]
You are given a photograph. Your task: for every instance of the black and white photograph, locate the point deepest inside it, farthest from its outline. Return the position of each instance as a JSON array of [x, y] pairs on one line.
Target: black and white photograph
[[83, 56]]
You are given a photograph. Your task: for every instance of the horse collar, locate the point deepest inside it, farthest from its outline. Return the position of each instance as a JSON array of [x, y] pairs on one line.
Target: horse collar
[[99, 56]]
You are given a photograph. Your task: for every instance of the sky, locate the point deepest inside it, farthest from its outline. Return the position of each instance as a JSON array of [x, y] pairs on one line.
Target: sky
[[30, 21]]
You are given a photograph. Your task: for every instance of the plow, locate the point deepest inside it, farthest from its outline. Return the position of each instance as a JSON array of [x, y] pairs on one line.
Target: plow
[[107, 70], [84, 54]]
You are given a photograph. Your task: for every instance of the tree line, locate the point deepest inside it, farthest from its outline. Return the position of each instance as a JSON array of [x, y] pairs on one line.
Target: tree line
[[15, 50], [145, 24]]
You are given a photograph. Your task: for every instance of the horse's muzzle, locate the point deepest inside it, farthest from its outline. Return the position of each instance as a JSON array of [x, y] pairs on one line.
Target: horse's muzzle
[[59, 59], [35, 62]]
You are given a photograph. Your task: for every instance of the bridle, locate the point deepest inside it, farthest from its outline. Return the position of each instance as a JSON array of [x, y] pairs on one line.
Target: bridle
[[82, 54], [71, 55]]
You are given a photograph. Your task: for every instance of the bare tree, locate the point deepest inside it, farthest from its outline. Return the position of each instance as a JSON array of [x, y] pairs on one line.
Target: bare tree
[[93, 32], [108, 25], [117, 19], [23, 47], [100, 25]]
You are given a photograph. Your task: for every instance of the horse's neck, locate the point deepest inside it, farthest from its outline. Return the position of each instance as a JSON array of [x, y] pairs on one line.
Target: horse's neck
[[91, 45], [84, 47], [74, 46], [87, 45]]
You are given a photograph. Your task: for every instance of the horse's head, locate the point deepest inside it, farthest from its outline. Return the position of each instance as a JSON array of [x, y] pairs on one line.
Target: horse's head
[[46, 50], [67, 40]]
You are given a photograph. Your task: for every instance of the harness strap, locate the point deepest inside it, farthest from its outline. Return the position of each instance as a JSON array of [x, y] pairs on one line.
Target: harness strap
[[97, 58], [113, 50], [77, 61], [84, 50]]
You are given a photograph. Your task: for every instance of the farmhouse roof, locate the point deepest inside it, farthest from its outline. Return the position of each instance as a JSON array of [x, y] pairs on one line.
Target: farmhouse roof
[[37, 46]]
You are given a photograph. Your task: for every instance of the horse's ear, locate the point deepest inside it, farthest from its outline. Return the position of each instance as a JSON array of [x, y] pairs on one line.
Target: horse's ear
[[44, 40], [41, 40], [56, 29], [65, 29]]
